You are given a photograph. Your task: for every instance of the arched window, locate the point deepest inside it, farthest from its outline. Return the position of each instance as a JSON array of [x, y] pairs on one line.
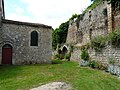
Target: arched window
[[34, 38]]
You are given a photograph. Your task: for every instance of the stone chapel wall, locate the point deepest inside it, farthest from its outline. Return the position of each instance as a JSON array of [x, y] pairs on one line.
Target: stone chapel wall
[[18, 35]]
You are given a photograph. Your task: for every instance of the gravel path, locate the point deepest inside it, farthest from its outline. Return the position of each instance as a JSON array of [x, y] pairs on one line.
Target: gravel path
[[54, 86]]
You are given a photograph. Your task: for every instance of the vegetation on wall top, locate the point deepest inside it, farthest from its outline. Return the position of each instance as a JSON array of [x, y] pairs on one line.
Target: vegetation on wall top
[[93, 5], [73, 16]]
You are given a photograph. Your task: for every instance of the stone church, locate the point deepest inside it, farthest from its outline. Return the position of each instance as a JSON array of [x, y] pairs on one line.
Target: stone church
[[24, 42]]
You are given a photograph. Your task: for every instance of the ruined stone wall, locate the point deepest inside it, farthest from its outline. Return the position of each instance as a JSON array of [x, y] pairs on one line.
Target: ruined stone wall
[[93, 23], [19, 36], [72, 31], [75, 55], [116, 17], [103, 56], [110, 17]]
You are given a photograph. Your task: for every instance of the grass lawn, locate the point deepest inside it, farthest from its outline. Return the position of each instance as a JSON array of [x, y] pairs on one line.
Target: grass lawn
[[29, 76]]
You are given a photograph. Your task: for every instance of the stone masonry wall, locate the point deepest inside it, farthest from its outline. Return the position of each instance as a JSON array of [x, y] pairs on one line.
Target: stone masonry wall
[[75, 55], [72, 31], [19, 35], [116, 17], [110, 17], [94, 23], [103, 56], [106, 53]]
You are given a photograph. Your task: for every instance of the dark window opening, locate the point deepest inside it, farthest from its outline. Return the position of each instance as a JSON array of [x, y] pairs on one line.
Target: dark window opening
[[90, 33], [34, 38]]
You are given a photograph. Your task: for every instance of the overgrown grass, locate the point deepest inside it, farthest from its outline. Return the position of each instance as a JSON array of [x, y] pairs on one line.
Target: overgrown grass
[[29, 76]]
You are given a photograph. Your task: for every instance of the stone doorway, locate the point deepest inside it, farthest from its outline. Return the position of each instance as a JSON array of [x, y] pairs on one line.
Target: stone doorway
[[7, 54], [64, 50]]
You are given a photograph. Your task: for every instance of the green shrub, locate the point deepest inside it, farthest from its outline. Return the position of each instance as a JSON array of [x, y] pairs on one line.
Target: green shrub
[[97, 65], [61, 56], [57, 61], [84, 55], [67, 56], [59, 51], [93, 64], [98, 42], [56, 56], [114, 38]]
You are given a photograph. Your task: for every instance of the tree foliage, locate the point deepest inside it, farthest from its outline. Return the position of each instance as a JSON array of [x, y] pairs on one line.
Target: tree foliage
[[73, 16], [59, 35]]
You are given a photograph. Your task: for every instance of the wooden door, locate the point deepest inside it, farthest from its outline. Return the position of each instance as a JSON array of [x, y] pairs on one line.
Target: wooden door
[[7, 54]]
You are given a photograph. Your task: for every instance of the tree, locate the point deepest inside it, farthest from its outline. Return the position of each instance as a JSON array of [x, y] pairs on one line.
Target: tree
[[73, 16], [59, 35]]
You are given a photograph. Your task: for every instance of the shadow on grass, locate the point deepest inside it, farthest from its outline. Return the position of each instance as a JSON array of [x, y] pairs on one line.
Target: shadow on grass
[[9, 71], [57, 61]]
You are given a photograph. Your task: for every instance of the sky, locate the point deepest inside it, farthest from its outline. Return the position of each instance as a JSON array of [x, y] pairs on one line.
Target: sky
[[48, 12]]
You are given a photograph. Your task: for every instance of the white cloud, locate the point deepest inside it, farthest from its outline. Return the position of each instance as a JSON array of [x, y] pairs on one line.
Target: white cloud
[[51, 12], [17, 17]]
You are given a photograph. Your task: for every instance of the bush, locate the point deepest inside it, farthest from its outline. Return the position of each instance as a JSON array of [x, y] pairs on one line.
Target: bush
[[114, 38], [67, 56], [59, 51], [56, 56], [98, 42], [56, 61], [85, 55], [97, 65], [93, 64]]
